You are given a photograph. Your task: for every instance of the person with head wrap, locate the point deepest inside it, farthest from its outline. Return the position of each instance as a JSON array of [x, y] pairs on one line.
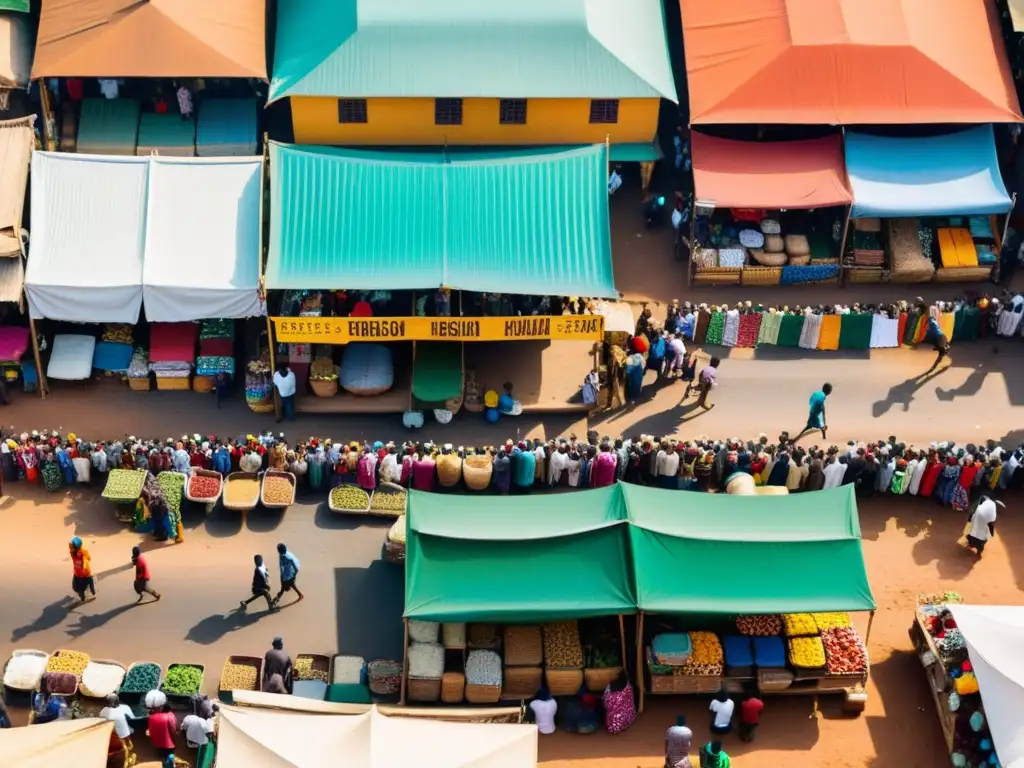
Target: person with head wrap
[[424, 469], [948, 481], [886, 469], [667, 466], [678, 741], [390, 471], [868, 475], [81, 566], [603, 471]]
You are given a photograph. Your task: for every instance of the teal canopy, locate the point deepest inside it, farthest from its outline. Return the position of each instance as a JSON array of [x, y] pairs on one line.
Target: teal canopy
[[506, 221]]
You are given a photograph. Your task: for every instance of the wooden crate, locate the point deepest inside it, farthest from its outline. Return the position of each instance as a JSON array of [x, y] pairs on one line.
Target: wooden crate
[[140, 385], [685, 684], [169, 383]]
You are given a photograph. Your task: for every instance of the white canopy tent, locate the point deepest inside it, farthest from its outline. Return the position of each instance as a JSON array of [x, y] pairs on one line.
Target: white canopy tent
[[203, 231], [81, 743], [995, 636], [270, 739]]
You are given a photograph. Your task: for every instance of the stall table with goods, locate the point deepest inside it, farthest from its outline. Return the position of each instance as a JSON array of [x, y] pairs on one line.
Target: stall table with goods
[[216, 353], [123, 488], [172, 352], [14, 343]]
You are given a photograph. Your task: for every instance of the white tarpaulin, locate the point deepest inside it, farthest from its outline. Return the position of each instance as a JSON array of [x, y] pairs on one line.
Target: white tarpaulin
[[995, 637], [16, 140], [85, 257], [249, 737], [202, 252], [81, 743]]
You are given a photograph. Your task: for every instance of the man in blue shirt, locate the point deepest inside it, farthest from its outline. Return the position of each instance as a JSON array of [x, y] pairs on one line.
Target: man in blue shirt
[[523, 467], [289, 572], [816, 417]]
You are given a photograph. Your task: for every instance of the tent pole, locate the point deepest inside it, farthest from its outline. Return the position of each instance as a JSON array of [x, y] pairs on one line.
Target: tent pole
[[639, 658], [867, 636], [622, 645], [405, 662], [40, 373], [842, 244], [270, 344], [49, 141]]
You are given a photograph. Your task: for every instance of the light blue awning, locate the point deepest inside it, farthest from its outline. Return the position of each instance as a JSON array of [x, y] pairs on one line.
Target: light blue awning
[[956, 174], [635, 153]]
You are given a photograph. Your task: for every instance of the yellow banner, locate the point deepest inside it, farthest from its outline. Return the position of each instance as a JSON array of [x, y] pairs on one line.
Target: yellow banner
[[342, 330]]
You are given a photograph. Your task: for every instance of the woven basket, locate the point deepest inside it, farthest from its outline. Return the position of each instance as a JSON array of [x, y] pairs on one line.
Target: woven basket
[[261, 407], [173, 383], [563, 682], [962, 274], [453, 687], [385, 676], [482, 694], [523, 646], [322, 388], [140, 385], [685, 684], [718, 276], [449, 469], [761, 275], [865, 276], [597, 680], [423, 689], [484, 636], [203, 384], [476, 471], [521, 682]]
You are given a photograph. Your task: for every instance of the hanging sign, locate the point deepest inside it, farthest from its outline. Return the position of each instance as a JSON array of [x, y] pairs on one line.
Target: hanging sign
[[343, 330]]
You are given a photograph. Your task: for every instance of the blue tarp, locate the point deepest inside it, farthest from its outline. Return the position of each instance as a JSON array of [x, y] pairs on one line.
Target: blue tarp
[[956, 174]]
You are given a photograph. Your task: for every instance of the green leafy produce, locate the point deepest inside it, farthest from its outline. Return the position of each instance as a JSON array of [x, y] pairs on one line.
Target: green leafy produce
[[124, 484], [182, 679], [172, 484], [141, 678]]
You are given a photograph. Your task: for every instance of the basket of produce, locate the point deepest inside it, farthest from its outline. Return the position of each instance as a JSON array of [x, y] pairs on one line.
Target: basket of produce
[[524, 646], [173, 486], [203, 384], [453, 636], [394, 544], [835, 620], [348, 670], [124, 485], [241, 673], [388, 500], [483, 636], [759, 626], [602, 665], [349, 499], [384, 677], [72, 662], [563, 681], [323, 377], [204, 486], [449, 469], [25, 669], [278, 489], [596, 679], [142, 677], [799, 624], [241, 491], [845, 653], [477, 470], [707, 658], [453, 687], [807, 653], [312, 666], [102, 677], [63, 683], [562, 646], [483, 677], [423, 689], [181, 682], [521, 682]]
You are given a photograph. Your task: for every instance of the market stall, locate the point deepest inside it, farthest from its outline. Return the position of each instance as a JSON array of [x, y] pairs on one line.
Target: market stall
[[930, 207], [108, 127], [799, 556], [767, 212], [166, 135], [226, 127]]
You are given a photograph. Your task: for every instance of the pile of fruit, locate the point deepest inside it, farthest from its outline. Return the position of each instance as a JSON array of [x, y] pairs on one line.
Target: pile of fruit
[[242, 492], [844, 651], [350, 497], [799, 624], [706, 657], [759, 626], [388, 501], [303, 669], [831, 620], [124, 484], [182, 680], [72, 662], [143, 677], [203, 487], [172, 483], [238, 677], [807, 652], [277, 490]]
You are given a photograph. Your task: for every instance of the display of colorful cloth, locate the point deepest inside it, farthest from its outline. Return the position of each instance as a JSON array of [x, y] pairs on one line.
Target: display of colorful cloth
[[771, 322], [965, 324], [810, 332], [855, 330], [789, 330], [217, 348], [112, 356], [716, 328], [731, 334], [829, 337], [700, 326], [750, 326], [921, 330], [946, 322], [217, 329], [808, 273], [211, 366], [118, 333], [884, 332]]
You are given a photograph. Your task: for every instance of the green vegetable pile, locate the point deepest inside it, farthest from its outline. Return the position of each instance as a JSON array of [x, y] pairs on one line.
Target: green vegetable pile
[[142, 678], [172, 484], [124, 484], [182, 679]]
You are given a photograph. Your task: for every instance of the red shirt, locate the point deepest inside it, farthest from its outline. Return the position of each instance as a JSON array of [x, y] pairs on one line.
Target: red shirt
[[141, 568], [750, 711], [162, 726]]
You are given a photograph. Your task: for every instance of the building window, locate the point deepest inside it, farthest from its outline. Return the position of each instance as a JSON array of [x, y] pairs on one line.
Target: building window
[[447, 111], [604, 111], [512, 112], [351, 110]]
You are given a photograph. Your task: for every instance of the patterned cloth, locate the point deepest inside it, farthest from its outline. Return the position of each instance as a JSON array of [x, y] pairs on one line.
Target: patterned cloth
[[217, 329], [211, 366], [716, 328], [855, 330], [771, 322], [619, 708]]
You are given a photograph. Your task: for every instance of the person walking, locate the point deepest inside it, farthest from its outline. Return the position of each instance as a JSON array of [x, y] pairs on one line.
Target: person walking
[[277, 668], [708, 378], [981, 525], [940, 344], [260, 584], [816, 415], [142, 576], [81, 564], [289, 572], [284, 384]]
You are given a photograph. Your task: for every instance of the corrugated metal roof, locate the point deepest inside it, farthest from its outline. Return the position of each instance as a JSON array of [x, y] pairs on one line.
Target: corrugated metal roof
[[468, 48], [515, 221]]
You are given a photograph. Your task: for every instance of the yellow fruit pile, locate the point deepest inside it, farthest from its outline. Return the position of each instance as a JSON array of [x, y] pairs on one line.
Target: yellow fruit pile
[[72, 662], [798, 624], [831, 620], [707, 656], [807, 652]]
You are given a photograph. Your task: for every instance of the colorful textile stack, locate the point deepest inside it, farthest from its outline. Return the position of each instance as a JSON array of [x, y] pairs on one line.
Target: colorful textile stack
[[828, 339], [768, 333], [172, 349], [749, 332], [884, 332], [716, 328], [216, 348], [855, 330], [808, 273]]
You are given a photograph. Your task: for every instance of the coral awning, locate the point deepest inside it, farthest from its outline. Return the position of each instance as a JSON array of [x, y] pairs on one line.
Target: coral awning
[[778, 174], [843, 62]]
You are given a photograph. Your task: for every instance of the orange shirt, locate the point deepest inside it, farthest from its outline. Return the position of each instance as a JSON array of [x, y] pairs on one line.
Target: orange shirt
[[81, 562]]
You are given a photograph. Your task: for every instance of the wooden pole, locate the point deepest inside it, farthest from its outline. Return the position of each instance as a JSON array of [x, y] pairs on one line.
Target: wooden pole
[[405, 662], [49, 141], [842, 243], [40, 373], [622, 644], [867, 635], [640, 658]]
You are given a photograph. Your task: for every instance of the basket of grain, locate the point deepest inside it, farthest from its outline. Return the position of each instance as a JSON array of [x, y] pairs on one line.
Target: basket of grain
[[312, 666], [449, 469], [101, 678], [562, 646], [476, 471], [521, 682], [277, 491], [424, 631], [597, 679], [426, 667], [240, 673], [384, 676], [563, 682], [24, 669], [423, 689], [453, 636], [241, 491], [483, 677], [388, 500], [349, 499], [524, 647], [453, 687], [483, 636], [761, 275], [394, 545]]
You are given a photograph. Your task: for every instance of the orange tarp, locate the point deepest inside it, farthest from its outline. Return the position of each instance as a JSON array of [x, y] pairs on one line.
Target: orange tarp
[[843, 62], [778, 174], [151, 38]]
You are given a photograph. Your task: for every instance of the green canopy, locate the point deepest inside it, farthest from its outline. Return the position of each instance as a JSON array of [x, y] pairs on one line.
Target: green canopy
[[14, 5], [635, 153], [517, 559], [521, 221], [715, 553], [437, 371]]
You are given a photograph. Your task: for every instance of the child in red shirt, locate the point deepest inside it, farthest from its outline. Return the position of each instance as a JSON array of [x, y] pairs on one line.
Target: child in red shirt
[[750, 716]]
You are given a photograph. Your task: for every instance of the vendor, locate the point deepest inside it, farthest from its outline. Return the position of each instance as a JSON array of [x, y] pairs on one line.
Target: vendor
[[277, 662]]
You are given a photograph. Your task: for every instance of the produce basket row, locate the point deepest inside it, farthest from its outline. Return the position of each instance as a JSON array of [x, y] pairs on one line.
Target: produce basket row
[[387, 500]]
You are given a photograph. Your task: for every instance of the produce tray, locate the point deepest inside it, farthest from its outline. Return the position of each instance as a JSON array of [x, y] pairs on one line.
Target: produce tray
[[389, 489], [321, 663], [685, 684], [248, 504], [242, 661], [346, 510], [107, 662], [159, 678], [133, 478], [182, 700], [206, 473], [276, 473], [26, 652]]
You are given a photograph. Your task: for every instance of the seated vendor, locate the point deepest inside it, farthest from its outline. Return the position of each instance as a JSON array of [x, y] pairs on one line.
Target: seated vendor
[[48, 707]]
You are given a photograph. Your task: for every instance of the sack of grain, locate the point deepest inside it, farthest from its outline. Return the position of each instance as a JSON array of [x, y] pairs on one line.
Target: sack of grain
[[774, 244], [705, 257], [454, 635], [768, 259], [423, 631], [523, 646], [797, 245], [426, 660], [799, 260], [483, 668], [562, 646], [770, 227], [476, 471], [449, 469]]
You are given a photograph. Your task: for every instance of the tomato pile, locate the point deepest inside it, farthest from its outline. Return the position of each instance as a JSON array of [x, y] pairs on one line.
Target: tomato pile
[[204, 487], [844, 651]]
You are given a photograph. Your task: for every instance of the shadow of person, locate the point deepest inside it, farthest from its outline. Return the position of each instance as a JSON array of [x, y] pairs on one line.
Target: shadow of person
[[903, 393], [211, 629], [87, 623], [970, 387], [52, 615]]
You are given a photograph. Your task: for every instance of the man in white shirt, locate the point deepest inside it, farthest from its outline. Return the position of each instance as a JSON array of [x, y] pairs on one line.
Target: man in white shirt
[[118, 714], [544, 708], [197, 730], [667, 467], [982, 524], [723, 708], [284, 383], [835, 470], [676, 355]]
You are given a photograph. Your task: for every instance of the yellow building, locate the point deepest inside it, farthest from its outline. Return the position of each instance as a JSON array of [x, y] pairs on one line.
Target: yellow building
[[472, 72]]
